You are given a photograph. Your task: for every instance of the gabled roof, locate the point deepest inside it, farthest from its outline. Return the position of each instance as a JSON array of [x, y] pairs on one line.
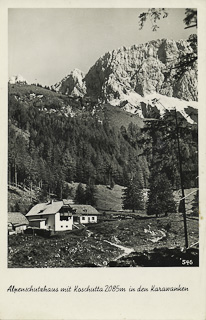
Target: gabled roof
[[41, 219], [54, 207], [81, 209], [45, 208], [17, 218], [68, 201]]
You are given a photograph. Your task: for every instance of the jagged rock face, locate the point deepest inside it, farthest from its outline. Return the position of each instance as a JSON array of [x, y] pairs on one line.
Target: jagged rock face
[[141, 70], [17, 79], [139, 79], [72, 84], [186, 87]]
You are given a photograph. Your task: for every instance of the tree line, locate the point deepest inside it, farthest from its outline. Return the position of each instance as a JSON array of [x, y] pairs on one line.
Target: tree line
[[48, 149]]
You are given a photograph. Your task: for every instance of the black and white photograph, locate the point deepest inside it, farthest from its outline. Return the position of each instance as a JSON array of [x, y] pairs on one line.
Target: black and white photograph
[[103, 160], [103, 137]]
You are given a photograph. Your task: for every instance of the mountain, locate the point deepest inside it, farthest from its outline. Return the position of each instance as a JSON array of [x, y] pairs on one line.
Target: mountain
[[121, 74], [72, 84], [17, 79], [156, 104], [140, 79], [94, 128]]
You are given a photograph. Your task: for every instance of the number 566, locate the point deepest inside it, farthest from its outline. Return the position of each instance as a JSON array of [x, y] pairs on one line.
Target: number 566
[[187, 262]]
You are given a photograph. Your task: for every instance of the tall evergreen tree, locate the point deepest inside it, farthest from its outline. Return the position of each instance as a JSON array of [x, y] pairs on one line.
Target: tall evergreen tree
[[159, 143], [133, 196], [90, 194], [160, 198], [66, 192], [195, 204], [80, 194]]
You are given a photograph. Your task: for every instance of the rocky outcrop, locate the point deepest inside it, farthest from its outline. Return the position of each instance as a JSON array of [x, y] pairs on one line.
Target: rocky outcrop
[[142, 70], [140, 79], [72, 84]]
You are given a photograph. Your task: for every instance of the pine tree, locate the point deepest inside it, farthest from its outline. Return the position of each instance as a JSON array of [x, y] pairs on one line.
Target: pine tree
[[160, 195], [90, 192], [195, 204], [80, 194], [133, 196], [66, 192]]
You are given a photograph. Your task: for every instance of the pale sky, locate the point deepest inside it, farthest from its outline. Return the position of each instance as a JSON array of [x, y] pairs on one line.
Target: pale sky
[[47, 44]]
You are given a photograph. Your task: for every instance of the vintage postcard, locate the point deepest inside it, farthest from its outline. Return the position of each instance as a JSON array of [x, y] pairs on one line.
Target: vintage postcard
[[103, 160]]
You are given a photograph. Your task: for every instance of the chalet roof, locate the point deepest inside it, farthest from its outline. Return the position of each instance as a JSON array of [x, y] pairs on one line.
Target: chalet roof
[[40, 219], [17, 218], [84, 209], [55, 206], [45, 208], [68, 201]]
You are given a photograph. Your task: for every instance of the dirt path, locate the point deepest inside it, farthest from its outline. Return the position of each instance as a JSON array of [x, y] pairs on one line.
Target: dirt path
[[126, 250]]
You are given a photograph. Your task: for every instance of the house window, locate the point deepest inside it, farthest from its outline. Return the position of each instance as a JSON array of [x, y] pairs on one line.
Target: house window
[[83, 218], [66, 226], [63, 218], [93, 218], [61, 226]]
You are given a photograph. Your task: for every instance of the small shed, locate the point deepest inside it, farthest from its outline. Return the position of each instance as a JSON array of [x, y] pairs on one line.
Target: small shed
[[17, 222]]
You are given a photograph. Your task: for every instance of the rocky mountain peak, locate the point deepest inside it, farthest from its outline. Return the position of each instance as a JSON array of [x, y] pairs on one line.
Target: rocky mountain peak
[[139, 79], [73, 84], [141, 69]]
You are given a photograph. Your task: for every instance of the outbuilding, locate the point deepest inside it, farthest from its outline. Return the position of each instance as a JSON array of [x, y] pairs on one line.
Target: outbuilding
[[84, 213], [17, 222]]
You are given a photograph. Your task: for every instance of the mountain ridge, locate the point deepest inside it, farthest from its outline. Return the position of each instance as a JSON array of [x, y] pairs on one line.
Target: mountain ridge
[[142, 69], [134, 78], [139, 79], [137, 62]]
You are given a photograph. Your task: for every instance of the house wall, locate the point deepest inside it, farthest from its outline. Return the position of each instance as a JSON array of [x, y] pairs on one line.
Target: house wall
[[42, 224], [34, 224], [38, 224], [63, 225], [88, 219], [50, 222], [20, 229], [11, 229]]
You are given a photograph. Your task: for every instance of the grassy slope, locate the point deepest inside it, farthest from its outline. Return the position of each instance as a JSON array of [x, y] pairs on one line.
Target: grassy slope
[[20, 199], [117, 117], [107, 199], [25, 89], [111, 199]]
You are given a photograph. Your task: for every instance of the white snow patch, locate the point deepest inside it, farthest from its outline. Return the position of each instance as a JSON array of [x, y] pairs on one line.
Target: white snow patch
[[162, 103]]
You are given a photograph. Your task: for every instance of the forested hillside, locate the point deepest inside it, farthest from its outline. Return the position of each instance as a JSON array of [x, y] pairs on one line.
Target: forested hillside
[[48, 145], [55, 139]]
